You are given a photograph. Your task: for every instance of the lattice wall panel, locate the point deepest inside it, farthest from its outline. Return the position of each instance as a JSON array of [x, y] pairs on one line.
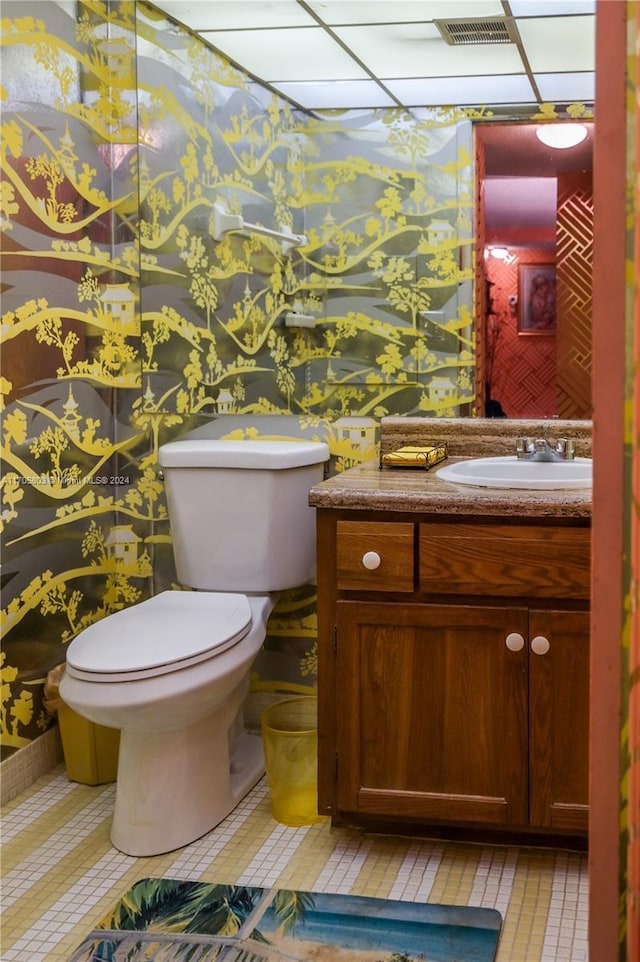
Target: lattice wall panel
[[574, 262]]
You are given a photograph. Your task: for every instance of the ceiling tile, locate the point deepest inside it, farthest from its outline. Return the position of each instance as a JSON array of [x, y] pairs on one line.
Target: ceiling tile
[[335, 12], [281, 43], [341, 94], [562, 88], [287, 55], [229, 14], [556, 8], [418, 50], [555, 44], [462, 91]]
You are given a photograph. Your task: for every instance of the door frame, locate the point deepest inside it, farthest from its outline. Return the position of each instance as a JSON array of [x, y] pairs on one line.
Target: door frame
[[607, 589]]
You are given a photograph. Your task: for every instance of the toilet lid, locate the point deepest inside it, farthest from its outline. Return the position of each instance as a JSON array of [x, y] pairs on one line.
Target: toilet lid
[[170, 630]]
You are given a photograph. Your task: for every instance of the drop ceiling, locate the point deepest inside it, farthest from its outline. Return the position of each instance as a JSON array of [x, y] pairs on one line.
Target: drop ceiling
[[340, 54]]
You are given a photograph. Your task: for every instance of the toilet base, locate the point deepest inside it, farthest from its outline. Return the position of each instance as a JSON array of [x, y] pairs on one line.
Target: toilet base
[[173, 787]]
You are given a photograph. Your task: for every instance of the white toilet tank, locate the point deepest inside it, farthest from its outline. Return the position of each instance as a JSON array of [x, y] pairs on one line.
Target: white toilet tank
[[239, 513]]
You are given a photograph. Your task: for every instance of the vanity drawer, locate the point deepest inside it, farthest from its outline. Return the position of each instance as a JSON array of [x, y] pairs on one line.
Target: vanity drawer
[[375, 556], [505, 560]]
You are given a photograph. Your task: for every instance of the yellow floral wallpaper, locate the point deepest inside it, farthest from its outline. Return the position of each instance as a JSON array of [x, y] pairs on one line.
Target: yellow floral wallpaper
[[71, 342], [126, 323]]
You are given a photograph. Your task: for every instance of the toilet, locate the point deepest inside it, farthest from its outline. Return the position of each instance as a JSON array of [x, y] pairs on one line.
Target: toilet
[[172, 672]]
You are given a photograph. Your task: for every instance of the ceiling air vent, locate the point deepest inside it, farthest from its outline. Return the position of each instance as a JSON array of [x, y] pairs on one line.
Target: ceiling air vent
[[481, 30]]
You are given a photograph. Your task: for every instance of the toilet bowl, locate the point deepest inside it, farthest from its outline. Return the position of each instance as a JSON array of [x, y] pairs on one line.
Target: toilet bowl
[[172, 672]]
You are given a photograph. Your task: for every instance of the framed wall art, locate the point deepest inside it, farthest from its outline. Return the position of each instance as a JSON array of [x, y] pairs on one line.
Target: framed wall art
[[537, 299]]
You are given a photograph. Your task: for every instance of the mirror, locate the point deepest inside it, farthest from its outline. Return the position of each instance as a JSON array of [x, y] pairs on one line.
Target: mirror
[[427, 365], [385, 284], [535, 238]]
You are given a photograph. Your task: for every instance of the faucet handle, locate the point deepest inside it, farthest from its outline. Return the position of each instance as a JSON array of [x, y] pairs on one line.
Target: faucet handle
[[567, 448], [524, 447]]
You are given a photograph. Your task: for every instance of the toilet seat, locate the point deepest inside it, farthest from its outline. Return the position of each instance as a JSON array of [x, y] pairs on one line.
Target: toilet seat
[[172, 630]]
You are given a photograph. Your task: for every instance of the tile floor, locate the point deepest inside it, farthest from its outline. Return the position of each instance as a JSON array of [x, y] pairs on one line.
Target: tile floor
[[61, 875]]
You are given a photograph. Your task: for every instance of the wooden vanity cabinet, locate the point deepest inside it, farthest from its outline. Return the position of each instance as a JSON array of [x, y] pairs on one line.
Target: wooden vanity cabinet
[[453, 671]]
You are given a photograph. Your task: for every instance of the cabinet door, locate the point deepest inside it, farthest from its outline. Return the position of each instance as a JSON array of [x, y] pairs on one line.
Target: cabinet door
[[432, 712], [559, 719]]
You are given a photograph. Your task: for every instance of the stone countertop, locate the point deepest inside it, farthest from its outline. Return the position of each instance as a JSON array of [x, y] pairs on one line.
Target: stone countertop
[[370, 488]]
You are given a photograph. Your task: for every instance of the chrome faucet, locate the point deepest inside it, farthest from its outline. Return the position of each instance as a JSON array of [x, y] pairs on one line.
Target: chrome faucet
[[541, 449]]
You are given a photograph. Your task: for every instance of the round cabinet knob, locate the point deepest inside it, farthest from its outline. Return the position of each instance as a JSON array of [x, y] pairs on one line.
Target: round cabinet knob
[[371, 560], [540, 645], [514, 641]]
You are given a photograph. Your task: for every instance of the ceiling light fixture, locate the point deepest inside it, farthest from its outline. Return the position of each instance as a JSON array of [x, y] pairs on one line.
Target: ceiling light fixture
[[501, 254], [561, 136]]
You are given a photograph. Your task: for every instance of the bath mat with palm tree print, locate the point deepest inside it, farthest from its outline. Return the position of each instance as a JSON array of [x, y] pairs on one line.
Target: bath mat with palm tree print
[[168, 920]]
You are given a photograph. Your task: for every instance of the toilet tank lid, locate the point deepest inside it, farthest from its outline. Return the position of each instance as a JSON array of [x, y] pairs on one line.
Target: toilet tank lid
[[244, 453]]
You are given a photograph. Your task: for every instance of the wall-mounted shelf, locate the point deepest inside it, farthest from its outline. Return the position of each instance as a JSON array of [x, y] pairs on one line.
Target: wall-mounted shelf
[[222, 222]]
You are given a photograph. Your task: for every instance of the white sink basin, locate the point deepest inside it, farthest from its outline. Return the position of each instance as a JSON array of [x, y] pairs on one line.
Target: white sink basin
[[512, 472]]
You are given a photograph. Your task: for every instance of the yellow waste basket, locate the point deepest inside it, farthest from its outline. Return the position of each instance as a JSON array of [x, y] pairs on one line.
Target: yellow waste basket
[[290, 739], [90, 751]]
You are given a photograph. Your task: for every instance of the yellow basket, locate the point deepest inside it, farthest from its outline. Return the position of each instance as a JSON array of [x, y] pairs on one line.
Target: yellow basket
[[415, 457], [90, 750]]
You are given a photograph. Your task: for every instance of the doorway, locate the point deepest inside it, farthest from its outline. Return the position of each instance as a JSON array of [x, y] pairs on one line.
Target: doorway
[[535, 235]]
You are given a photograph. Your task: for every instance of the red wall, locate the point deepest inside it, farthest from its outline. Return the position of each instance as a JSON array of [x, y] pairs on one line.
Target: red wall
[[520, 368]]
